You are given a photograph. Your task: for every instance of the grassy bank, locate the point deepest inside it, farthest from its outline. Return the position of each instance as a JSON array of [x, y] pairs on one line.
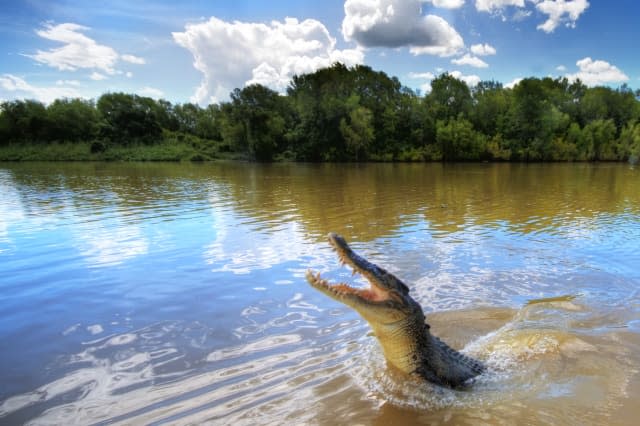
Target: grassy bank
[[170, 148], [82, 152]]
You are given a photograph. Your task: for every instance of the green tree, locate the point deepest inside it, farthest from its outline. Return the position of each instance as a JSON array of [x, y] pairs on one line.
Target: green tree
[[357, 130], [256, 121], [23, 121], [323, 107], [72, 120], [528, 116], [449, 98], [497, 148], [630, 142], [186, 116], [597, 140], [319, 101], [208, 124], [128, 118], [491, 103], [602, 103], [166, 115], [459, 141]]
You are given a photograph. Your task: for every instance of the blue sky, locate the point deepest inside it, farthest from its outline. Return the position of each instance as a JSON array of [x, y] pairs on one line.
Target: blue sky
[[198, 51]]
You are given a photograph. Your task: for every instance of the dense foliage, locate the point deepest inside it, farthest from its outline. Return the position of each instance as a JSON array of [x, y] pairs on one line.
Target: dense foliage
[[349, 114]]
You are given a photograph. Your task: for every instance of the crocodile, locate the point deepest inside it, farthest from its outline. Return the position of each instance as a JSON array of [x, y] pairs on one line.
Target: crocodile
[[398, 322]]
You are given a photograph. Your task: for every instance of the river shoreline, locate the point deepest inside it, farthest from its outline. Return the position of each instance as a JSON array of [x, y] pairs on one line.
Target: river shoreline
[[183, 152]]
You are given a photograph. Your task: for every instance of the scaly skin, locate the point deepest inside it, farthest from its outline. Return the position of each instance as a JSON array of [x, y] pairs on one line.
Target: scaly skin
[[397, 321]]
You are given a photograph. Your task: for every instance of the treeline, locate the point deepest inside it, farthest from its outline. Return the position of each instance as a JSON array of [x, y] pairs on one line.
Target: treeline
[[352, 114]]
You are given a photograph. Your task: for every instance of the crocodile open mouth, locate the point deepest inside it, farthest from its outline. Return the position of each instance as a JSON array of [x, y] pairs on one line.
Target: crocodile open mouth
[[376, 292], [340, 290]]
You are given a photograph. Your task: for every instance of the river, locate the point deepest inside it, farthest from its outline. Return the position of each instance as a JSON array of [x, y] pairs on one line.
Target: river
[[175, 293]]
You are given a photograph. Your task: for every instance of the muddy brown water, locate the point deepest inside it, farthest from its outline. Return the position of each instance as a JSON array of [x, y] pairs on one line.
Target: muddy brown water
[[175, 293]]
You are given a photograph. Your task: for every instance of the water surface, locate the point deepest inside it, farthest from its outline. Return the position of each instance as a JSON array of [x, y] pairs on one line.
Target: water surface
[[175, 294]]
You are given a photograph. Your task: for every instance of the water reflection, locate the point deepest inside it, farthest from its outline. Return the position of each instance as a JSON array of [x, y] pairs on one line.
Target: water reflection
[[110, 239], [363, 202], [162, 293], [11, 211], [271, 243], [368, 201]]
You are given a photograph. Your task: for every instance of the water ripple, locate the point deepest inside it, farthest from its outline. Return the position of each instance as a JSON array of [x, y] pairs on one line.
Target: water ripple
[[175, 293]]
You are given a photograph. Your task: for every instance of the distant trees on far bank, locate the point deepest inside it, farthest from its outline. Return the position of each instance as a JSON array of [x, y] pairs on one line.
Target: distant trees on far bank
[[354, 114]]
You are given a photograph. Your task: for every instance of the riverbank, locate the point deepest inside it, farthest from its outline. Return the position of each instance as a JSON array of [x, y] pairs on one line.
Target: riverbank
[[166, 150], [170, 151], [82, 151]]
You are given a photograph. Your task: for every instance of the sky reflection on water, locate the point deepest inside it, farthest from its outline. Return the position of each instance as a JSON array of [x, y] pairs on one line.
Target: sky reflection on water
[[175, 293]]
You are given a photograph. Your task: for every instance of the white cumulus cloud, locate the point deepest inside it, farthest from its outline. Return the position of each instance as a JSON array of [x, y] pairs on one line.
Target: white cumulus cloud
[[493, 5], [483, 49], [13, 85], [77, 50], [68, 83], [133, 59], [470, 60], [521, 15], [593, 73], [151, 92], [422, 75], [97, 76], [399, 23], [447, 4], [558, 12], [513, 83], [233, 54], [561, 11], [471, 80]]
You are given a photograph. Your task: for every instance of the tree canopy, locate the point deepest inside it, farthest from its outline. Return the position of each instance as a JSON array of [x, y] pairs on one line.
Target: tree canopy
[[356, 114]]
